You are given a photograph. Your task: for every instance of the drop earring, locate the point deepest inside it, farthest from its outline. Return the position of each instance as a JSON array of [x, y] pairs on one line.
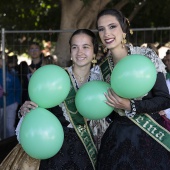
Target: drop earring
[[94, 61], [124, 41], [104, 48]]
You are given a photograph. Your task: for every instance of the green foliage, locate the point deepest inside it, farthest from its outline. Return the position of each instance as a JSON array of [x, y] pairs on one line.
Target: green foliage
[[46, 15], [30, 15], [154, 14]]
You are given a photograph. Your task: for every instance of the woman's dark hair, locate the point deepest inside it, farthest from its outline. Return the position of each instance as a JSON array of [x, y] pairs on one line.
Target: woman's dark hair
[[90, 34], [124, 22]]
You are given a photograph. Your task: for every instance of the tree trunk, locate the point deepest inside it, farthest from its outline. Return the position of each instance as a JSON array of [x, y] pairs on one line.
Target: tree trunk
[[75, 14], [121, 4], [137, 9]]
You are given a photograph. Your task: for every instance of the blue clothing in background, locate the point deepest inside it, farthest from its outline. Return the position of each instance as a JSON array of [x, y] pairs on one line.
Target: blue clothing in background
[[13, 88]]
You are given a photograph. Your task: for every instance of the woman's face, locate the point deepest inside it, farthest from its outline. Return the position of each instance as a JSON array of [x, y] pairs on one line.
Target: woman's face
[[110, 31], [167, 62], [82, 49]]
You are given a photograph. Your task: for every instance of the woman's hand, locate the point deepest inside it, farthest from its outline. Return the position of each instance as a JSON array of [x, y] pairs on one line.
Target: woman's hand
[[117, 102], [162, 113], [32, 70], [27, 106]]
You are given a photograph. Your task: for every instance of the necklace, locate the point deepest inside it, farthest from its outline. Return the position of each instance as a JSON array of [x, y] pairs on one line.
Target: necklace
[[81, 79]]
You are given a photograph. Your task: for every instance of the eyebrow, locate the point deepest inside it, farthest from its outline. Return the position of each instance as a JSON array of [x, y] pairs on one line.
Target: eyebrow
[[83, 44], [108, 25]]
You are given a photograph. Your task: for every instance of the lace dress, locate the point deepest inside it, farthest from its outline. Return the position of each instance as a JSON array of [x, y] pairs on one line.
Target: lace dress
[[72, 155], [125, 146]]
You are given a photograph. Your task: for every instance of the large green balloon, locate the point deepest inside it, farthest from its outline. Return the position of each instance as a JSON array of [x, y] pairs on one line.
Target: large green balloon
[[41, 134], [133, 76], [90, 100], [49, 86]]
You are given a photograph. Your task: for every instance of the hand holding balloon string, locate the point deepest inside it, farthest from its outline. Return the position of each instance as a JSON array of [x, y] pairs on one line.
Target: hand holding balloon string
[[115, 101]]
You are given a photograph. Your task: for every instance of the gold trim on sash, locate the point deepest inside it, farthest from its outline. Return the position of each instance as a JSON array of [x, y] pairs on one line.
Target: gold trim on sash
[[80, 124]]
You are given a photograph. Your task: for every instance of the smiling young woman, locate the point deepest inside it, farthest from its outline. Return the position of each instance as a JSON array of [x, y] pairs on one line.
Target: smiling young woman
[[128, 142], [79, 150]]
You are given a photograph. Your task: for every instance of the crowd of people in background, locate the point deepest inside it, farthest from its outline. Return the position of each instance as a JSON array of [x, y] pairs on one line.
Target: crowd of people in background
[[12, 93], [166, 113], [17, 80]]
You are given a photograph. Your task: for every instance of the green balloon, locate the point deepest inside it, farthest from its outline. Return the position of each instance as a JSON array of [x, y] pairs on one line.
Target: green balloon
[[90, 100], [133, 76], [41, 134], [49, 86]]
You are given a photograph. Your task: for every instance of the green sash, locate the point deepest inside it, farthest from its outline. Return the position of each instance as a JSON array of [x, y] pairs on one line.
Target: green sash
[[152, 128], [80, 125], [144, 121], [168, 75]]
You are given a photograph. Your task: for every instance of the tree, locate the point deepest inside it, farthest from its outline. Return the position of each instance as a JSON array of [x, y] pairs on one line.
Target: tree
[[69, 15], [75, 14], [82, 14]]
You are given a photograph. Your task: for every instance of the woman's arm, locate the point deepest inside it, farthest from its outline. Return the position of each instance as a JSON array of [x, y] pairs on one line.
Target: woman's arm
[[157, 99], [17, 130]]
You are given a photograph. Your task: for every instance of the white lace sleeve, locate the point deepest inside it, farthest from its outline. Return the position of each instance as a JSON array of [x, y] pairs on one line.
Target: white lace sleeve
[[65, 114], [98, 128], [17, 130], [151, 54]]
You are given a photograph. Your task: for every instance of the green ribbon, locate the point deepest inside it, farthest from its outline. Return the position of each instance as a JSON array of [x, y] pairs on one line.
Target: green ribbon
[[168, 75]]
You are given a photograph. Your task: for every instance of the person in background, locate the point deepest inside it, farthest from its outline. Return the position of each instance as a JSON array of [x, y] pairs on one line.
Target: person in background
[[48, 60], [26, 71], [128, 142], [13, 97], [152, 46], [166, 113], [13, 67], [1, 91], [167, 63], [22, 72], [36, 56], [78, 150], [13, 64]]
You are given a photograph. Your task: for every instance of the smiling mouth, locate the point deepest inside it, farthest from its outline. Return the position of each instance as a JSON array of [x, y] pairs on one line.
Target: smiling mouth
[[109, 41], [81, 58]]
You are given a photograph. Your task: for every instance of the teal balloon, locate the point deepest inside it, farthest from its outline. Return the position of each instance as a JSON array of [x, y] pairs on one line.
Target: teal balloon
[[41, 134], [133, 76], [90, 100], [49, 86]]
